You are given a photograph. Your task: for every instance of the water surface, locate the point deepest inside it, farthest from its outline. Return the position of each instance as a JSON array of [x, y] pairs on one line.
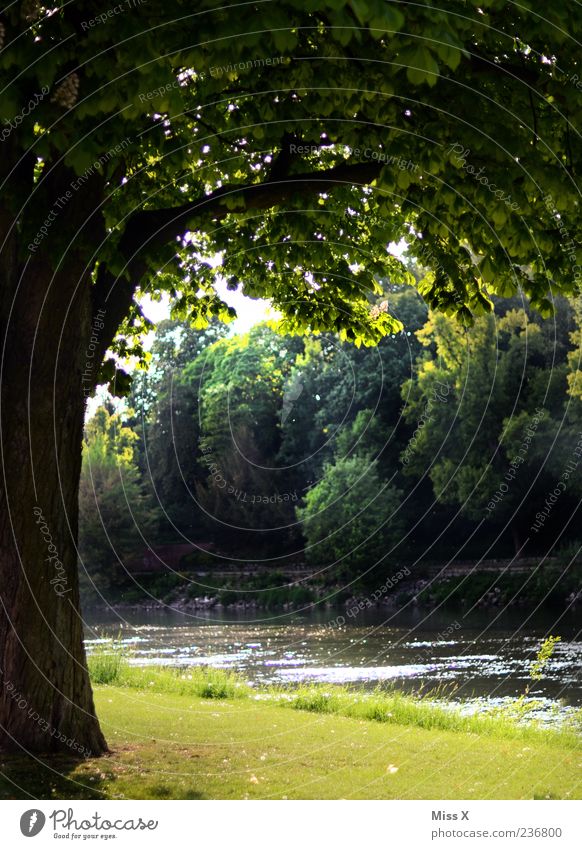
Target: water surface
[[484, 655]]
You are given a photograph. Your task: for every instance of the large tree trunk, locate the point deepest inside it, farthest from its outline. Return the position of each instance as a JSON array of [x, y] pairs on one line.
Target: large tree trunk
[[46, 702]]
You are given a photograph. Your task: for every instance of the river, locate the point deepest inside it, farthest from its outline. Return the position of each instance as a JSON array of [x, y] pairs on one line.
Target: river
[[485, 656]]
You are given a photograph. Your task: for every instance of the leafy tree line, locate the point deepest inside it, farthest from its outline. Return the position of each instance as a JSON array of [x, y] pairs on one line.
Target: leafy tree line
[[441, 442]]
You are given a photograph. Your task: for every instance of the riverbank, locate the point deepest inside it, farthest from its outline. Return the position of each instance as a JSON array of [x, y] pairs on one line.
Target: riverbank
[[206, 735], [504, 584]]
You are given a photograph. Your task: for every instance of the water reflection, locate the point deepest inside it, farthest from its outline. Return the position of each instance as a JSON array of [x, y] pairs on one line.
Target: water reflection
[[472, 656]]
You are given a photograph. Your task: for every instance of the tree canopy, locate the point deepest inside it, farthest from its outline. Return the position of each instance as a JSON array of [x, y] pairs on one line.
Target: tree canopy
[[297, 141]]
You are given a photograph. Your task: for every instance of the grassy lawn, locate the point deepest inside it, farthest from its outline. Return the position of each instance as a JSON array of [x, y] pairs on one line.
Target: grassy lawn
[[210, 738]]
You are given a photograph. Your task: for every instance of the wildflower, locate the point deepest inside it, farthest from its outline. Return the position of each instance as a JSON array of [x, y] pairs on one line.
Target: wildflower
[[67, 92], [30, 10], [378, 308]]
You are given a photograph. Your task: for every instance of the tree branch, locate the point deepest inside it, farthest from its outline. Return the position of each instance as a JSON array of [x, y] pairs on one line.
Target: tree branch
[[114, 296], [151, 228]]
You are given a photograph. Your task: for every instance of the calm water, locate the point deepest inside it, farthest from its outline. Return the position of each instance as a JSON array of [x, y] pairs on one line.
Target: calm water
[[478, 656]]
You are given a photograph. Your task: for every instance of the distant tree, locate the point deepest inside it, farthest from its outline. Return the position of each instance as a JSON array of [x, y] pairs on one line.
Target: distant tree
[[483, 407], [239, 384], [115, 516], [350, 520], [575, 357], [165, 415], [339, 381], [306, 439]]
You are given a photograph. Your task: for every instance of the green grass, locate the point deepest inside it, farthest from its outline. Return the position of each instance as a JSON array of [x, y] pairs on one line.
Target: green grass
[[110, 666], [106, 663], [168, 746], [173, 736], [397, 708]]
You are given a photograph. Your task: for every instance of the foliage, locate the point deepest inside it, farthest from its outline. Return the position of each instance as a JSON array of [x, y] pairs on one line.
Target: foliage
[[391, 707], [486, 404], [106, 662], [521, 709], [420, 711], [575, 355], [284, 595], [230, 127], [282, 147], [166, 420], [350, 518], [114, 512], [241, 429], [239, 386], [339, 382], [543, 657]]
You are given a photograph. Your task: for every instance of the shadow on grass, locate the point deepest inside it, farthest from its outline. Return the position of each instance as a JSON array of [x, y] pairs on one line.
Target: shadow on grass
[[61, 777], [53, 777]]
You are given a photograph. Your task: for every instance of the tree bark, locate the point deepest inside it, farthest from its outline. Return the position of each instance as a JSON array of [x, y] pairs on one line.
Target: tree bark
[[46, 702]]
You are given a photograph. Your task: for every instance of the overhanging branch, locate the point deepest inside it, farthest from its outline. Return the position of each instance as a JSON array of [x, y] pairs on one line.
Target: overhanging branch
[[150, 228]]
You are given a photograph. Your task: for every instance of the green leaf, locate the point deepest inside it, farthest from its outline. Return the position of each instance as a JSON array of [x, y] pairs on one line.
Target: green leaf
[[488, 271], [422, 67], [451, 56], [285, 40], [385, 19], [361, 11]]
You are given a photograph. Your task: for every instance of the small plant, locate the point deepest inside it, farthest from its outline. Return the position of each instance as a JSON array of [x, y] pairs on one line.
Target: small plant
[[314, 700], [543, 657], [519, 709], [106, 662], [574, 722]]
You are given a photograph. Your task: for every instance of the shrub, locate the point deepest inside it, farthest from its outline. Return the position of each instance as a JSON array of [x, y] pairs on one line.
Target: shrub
[[106, 663]]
